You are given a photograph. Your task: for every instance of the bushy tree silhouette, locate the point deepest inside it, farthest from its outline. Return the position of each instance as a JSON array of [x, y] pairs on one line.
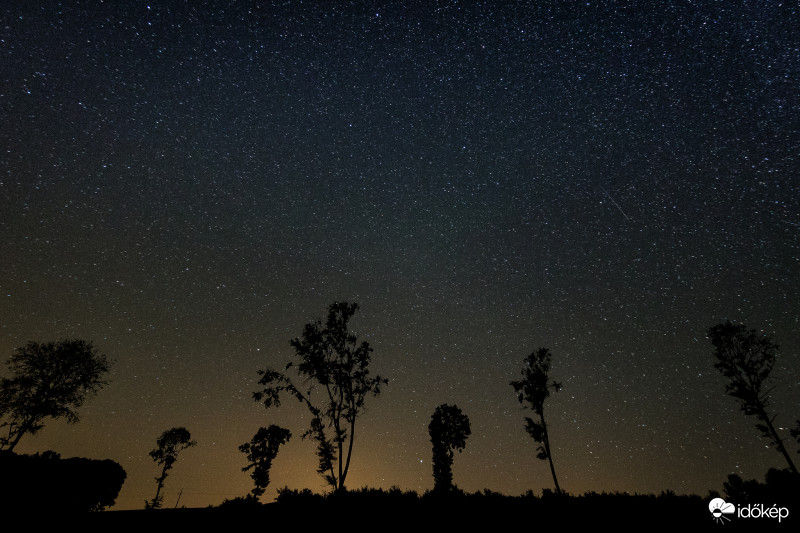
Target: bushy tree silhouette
[[169, 445], [334, 364], [532, 390], [50, 380], [261, 451], [449, 429], [746, 359]]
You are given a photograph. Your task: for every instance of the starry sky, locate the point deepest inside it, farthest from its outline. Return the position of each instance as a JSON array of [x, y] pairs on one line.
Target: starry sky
[[188, 186]]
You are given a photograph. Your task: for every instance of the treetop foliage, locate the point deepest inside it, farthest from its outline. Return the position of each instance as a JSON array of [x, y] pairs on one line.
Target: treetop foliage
[[49, 380], [449, 427], [533, 388], [170, 444], [746, 358]]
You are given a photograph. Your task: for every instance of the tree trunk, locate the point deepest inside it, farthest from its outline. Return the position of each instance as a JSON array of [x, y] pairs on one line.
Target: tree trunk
[[16, 440], [349, 451], [340, 482], [22, 429], [156, 504], [777, 439], [549, 455]]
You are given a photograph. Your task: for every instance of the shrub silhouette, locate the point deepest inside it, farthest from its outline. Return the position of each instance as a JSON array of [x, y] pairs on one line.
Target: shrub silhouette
[[32, 482]]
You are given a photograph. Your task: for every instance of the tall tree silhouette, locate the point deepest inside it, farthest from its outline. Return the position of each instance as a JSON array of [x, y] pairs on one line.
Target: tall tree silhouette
[[449, 429], [169, 445], [333, 364], [261, 451], [532, 390], [50, 380], [746, 359]]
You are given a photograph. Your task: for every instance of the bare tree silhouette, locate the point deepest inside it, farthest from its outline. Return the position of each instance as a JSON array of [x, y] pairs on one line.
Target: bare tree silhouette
[[449, 429], [50, 380], [261, 451], [170, 444], [533, 389], [746, 359], [332, 362]]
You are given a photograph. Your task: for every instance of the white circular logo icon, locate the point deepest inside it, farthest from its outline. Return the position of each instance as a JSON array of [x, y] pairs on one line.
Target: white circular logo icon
[[719, 508]]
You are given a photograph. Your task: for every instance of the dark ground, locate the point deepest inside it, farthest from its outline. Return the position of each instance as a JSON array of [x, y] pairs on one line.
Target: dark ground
[[376, 511]]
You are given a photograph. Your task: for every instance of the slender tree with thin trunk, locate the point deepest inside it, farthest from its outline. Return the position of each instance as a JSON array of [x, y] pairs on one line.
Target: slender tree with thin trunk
[[746, 359], [334, 368], [532, 390], [170, 444]]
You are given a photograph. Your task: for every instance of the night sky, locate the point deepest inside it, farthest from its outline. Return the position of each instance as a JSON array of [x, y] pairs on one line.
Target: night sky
[[187, 187]]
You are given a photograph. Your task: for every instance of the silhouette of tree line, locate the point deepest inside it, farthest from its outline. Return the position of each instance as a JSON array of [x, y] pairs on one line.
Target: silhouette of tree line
[[52, 380]]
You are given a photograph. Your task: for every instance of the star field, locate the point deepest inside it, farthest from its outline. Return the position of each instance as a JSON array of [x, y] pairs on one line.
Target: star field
[[187, 187]]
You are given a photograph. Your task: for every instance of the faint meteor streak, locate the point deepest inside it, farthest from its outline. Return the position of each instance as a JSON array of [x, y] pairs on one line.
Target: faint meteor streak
[[615, 203]]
